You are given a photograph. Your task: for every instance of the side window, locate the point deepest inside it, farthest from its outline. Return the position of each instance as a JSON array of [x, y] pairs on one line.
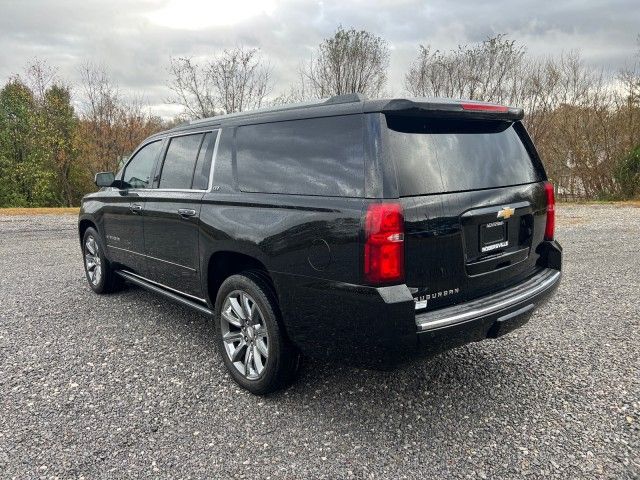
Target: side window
[[180, 161], [137, 173], [317, 156], [203, 164]]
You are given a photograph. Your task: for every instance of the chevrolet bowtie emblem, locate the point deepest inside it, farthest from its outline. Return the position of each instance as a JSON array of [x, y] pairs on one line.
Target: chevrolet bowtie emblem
[[506, 212]]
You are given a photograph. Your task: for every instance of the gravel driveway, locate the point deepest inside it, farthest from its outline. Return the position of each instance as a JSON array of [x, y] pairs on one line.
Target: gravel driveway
[[130, 384]]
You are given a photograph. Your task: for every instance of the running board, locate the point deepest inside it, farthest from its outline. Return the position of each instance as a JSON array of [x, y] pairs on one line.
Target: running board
[[164, 292]]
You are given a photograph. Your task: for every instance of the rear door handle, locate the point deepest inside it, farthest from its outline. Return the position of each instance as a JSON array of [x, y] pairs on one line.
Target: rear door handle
[[135, 208], [186, 212]]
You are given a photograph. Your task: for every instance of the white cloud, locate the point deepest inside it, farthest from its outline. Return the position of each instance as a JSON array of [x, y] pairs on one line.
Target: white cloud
[[135, 39], [200, 14]]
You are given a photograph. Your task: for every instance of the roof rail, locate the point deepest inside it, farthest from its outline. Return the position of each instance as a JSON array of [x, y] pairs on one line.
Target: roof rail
[[346, 98]]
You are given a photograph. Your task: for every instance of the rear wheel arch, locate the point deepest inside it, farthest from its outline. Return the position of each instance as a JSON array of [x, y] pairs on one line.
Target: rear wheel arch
[[223, 264]]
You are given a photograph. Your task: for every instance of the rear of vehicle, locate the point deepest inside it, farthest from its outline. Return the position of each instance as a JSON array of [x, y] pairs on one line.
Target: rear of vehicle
[[465, 222]]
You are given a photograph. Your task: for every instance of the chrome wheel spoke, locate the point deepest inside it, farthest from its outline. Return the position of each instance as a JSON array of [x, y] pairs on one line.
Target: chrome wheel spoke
[[232, 337], [246, 305], [230, 318], [236, 355], [237, 309], [261, 331], [262, 347], [257, 359], [91, 245], [247, 361]]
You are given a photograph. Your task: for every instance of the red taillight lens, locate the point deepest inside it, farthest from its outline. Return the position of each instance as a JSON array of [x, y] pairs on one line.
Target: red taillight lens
[[384, 243], [551, 211], [484, 107]]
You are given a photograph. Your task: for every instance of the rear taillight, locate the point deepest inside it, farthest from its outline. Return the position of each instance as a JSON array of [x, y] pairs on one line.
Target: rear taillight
[[384, 243], [551, 211], [483, 107]]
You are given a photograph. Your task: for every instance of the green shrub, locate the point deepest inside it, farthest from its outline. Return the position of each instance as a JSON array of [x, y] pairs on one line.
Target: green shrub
[[627, 174]]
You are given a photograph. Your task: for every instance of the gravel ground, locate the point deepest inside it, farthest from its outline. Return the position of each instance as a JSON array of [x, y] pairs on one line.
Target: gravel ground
[[130, 384]]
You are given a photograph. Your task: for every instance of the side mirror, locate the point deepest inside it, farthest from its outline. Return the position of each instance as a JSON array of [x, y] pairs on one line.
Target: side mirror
[[105, 179]]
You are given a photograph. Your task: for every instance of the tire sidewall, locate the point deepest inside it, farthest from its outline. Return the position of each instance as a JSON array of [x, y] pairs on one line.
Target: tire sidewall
[[268, 378]]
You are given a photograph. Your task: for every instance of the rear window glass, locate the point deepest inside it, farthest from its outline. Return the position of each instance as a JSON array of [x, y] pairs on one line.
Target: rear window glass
[[319, 156], [441, 155]]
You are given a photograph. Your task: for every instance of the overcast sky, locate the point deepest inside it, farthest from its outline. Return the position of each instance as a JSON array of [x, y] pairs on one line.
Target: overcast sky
[[135, 39]]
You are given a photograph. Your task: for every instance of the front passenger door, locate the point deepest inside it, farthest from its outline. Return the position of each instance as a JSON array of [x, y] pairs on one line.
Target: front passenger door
[[123, 212]]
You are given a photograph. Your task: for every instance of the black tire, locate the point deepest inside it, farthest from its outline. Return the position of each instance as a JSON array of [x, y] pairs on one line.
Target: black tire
[[105, 281], [283, 359]]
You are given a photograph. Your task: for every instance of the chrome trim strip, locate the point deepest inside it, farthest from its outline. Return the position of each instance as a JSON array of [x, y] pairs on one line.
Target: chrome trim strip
[[147, 284], [145, 279], [186, 190], [152, 258], [503, 299], [213, 158]]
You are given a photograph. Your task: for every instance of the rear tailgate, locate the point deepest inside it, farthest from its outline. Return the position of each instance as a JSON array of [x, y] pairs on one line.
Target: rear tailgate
[[474, 204]]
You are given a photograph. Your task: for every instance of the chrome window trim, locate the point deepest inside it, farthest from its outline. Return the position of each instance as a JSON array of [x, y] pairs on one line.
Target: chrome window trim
[[186, 190], [209, 188], [218, 132]]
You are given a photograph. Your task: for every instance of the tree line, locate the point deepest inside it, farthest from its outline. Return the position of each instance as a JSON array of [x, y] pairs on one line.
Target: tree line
[[585, 123]]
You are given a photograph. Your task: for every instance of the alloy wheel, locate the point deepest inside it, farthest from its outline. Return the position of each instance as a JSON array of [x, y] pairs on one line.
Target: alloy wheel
[[244, 334], [92, 260]]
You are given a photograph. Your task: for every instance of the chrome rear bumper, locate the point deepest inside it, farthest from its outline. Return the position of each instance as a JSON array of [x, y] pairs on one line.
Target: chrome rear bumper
[[517, 300]]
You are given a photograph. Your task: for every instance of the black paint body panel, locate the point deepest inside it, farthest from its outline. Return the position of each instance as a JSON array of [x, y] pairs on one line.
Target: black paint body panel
[[312, 246]]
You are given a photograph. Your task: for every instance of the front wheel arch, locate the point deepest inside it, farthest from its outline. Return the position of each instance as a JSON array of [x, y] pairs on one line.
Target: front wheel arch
[[83, 225]]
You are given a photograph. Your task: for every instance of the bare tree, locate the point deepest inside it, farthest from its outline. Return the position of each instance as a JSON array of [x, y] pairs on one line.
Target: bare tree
[[487, 71], [296, 93], [583, 122], [39, 76], [236, 80], [352, 61], [112, 126]]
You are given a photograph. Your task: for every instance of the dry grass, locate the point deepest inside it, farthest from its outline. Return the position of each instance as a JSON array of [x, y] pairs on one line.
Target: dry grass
[[625, 203], [40, 211]]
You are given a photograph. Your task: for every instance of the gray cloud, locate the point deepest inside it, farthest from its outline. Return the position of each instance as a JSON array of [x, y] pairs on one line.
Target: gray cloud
[[120, 35]]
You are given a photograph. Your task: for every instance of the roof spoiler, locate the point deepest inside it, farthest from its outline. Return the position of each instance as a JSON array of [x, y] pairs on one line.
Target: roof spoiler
[[462, 108], [346, 98]]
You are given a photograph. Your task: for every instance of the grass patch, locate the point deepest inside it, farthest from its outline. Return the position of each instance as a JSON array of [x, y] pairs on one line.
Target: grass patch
[[40, 211]]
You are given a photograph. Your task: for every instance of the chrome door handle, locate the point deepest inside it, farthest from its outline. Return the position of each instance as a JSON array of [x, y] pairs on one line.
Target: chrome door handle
[[135, 208], [186, 212]]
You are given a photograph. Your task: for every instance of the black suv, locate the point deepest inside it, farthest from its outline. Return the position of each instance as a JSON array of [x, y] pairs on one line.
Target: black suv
[[363, 231]]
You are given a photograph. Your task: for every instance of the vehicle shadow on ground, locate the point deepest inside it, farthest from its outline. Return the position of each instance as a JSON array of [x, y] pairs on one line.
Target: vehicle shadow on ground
[[468, 386]]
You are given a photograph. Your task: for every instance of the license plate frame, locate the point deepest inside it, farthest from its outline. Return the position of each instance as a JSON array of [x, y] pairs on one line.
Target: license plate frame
[[493, 236]]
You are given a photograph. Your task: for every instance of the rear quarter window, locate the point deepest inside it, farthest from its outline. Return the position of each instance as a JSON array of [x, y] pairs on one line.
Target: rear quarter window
[[318, 156], [444, 155]]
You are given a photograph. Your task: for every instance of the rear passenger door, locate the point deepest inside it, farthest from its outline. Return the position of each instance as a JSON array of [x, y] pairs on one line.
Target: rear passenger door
[[172, 211]]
